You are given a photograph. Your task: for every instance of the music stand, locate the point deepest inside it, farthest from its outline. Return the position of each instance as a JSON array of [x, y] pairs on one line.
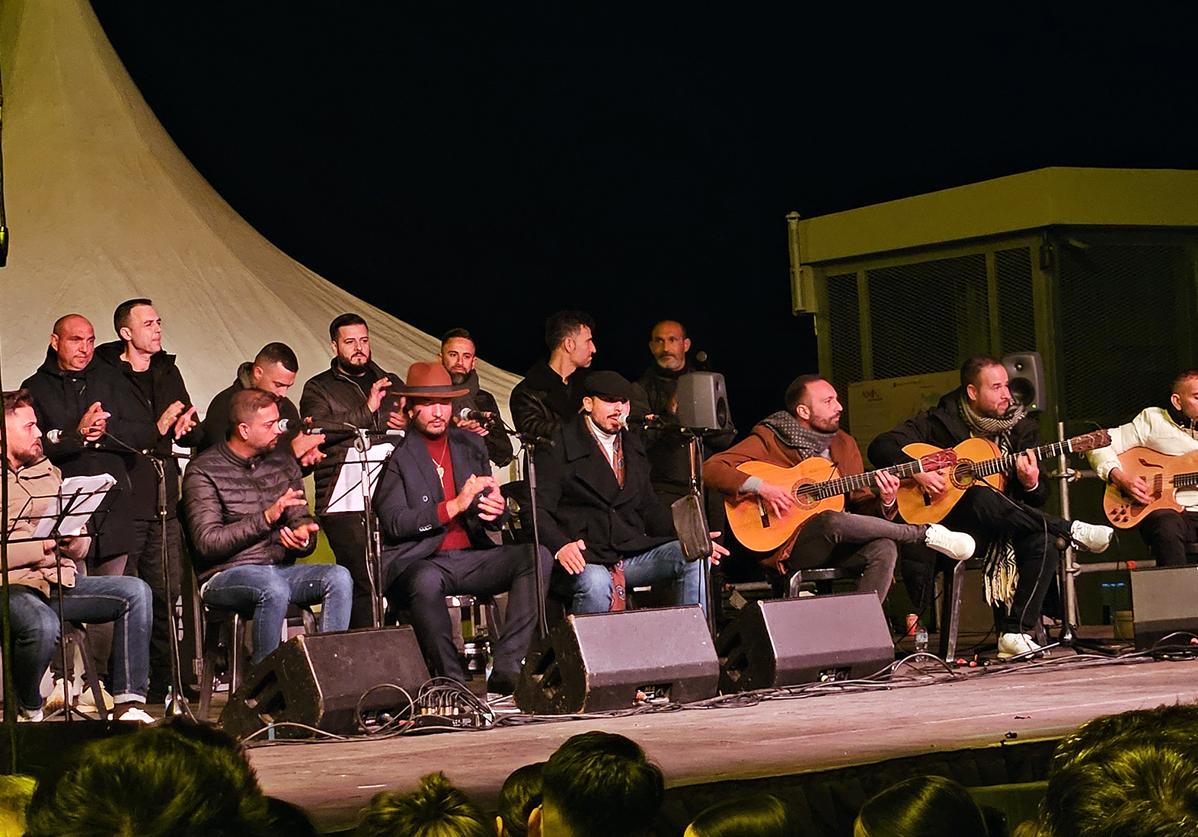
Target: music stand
[[353, 491], [67, 515]]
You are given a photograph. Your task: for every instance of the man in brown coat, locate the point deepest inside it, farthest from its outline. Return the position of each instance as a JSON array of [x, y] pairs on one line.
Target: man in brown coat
[[866, 533]]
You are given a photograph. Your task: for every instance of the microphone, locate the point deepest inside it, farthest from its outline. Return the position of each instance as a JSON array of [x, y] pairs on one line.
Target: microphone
[[639, 421], [700, 361], [481, 416], [286, 425], [55, 436]]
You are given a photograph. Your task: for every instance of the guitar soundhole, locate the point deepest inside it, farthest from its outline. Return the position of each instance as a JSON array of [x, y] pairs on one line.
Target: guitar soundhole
[[805, 497], [962, 474]]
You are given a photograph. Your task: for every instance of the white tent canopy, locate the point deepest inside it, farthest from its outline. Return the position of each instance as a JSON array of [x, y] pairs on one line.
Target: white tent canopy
[[103, 207]]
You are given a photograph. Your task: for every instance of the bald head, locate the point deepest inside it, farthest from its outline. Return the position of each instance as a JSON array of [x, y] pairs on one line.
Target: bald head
[[74, 341], [669, 344]]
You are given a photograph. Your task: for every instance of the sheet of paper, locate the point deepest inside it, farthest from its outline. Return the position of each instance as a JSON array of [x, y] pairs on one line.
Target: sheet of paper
[[347, 491], [79, 497]]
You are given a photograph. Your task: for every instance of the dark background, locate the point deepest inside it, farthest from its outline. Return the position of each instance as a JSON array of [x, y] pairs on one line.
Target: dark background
[[483, 167]]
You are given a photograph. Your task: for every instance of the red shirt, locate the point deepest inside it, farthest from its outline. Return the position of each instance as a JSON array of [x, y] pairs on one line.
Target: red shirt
[[456, 536]]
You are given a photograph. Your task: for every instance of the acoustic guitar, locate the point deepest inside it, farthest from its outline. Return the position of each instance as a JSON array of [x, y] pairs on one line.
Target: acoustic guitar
[[978, 460], [816, 489], [1165, 475]]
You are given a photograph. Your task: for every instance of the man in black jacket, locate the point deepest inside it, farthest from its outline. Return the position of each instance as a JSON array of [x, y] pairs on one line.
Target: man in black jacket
[[1014, 536], [248, 521], [73, 393], [272, 370], [597, 511], [438, 506], [458, 357], [151, 410], [667, 446], [551, 392], [352, 393]]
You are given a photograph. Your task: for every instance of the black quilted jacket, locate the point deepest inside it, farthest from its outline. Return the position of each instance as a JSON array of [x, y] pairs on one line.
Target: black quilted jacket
[[224, 497]]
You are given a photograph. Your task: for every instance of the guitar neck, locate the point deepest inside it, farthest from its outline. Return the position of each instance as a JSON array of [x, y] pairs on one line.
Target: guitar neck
[[856, 482], [1003, 464]]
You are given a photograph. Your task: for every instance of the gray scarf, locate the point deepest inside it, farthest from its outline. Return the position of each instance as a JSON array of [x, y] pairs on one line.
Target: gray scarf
[[1002, 571], [806, 441]]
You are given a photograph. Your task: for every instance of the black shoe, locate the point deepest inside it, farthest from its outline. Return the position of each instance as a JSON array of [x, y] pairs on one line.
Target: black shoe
[[501, 684]]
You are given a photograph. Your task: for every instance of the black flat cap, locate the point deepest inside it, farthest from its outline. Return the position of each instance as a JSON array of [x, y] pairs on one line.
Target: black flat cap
[[609, 386]]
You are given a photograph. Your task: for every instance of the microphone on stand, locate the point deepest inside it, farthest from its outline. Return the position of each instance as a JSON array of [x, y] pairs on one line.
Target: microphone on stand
[[700, 361], [287, 425], [481, 416]]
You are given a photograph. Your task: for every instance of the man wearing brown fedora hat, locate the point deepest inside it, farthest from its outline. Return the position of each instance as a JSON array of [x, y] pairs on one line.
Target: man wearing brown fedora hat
[[597, 511], [438, 506]]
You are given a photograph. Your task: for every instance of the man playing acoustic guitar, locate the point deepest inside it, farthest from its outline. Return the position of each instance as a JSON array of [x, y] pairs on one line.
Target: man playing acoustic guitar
[[1171, 431], [810, 427], [1017, 538]]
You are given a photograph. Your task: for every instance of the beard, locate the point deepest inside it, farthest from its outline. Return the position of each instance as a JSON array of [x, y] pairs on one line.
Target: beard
[[458, 377]]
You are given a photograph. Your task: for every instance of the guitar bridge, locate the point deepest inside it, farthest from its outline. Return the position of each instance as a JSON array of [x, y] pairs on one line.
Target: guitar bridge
[[765, 516]]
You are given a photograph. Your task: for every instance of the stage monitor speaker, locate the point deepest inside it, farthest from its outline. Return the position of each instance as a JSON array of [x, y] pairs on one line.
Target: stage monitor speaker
[[787, 642], [317, 681], [1164, 600], [1025, 371], [703, 401], [601, 661]]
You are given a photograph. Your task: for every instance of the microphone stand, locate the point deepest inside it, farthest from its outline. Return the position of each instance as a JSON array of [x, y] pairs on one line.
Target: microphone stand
[[695, 449], [528, 444], [176, 703], [364, 439]]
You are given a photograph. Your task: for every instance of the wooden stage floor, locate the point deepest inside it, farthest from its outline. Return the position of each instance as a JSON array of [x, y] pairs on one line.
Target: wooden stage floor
[[332, 781]]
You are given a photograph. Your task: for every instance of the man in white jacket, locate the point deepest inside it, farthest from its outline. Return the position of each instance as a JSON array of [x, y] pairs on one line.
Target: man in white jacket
[[1170, 430]]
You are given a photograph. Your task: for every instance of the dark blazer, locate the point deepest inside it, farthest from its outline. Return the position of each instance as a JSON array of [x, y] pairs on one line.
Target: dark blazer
[[943, 427], [409, 490], [578, 497]]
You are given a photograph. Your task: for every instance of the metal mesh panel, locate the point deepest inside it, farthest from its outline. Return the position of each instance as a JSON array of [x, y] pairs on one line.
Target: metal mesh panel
[[1016, 315], [1119, 328], [928, 317], [843, 321]]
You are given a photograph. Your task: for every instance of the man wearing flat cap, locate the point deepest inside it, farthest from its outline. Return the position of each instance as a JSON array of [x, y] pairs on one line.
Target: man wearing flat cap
[[437, 503], [598, 514]]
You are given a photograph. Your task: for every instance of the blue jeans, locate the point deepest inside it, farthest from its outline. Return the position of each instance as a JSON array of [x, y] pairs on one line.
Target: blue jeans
[[263, 592], [590, 590], [118, 599]]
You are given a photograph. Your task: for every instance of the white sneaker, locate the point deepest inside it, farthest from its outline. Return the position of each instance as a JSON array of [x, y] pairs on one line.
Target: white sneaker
[[956, 545], [1013, 645], [54, 700], [86, 702], [1090, 537], [135, 714], [36, 716]]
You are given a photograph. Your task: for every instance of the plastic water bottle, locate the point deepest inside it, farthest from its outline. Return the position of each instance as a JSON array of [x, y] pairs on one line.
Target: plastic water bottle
[[921, 638]]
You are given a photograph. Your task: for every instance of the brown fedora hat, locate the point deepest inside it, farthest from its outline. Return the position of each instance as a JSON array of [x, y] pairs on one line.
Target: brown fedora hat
[[429, 380]]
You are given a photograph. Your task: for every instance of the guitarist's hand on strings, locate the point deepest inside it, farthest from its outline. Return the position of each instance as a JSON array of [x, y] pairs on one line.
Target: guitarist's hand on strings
[[932, 483], [1027, 470], [888, 486], [778, 501], [1136, 489]]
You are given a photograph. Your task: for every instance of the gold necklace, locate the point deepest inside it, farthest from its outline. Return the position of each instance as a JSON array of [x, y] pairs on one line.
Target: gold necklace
[[441, 459]]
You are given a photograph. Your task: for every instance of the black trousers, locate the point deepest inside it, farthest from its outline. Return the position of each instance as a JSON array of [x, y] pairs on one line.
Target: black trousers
[[347, 536], [988, 515], [145, 562], [422, 585], [1167, 532]]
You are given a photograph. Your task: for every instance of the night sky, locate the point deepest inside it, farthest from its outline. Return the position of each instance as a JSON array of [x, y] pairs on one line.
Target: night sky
[[482, 167]]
